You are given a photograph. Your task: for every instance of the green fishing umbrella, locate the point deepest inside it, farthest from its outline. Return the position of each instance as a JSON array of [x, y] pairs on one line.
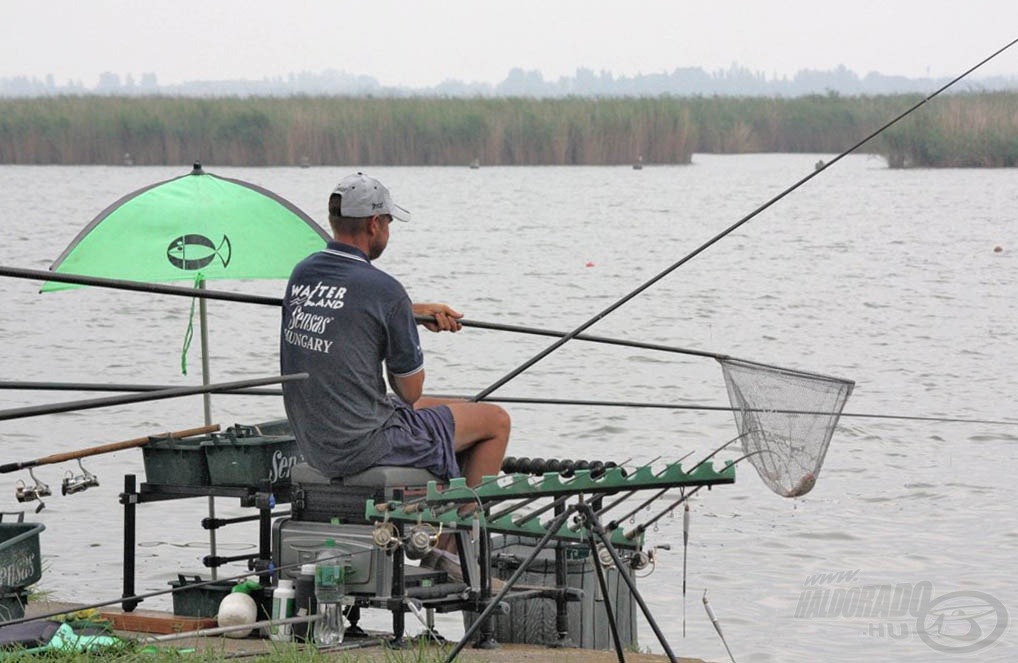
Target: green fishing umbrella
[[195, 227], [200, 223]]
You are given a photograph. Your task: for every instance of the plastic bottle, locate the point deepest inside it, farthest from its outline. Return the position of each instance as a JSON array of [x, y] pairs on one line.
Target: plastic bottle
[[282, 607], [304, 603], [330, 587]]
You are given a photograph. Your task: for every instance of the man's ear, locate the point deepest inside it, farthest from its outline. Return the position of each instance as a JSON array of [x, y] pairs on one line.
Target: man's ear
[[373, 225]]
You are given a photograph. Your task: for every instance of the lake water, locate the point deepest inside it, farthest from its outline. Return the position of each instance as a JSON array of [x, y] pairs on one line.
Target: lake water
[[888, 278]]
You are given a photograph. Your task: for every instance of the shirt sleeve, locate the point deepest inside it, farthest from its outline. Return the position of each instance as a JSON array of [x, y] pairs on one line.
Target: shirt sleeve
[[403, 354]]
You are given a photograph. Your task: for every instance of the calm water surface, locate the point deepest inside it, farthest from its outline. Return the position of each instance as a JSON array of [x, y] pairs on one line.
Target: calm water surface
[[888, 278]]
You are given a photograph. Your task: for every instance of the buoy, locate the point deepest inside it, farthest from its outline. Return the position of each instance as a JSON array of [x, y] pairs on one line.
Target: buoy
[[998, 249], [235, 609], [590, 264]]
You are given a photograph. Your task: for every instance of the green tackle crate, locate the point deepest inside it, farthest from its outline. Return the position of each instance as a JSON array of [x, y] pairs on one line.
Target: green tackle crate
[[193, 599], [250, 456], [176, 462], [20, 559]]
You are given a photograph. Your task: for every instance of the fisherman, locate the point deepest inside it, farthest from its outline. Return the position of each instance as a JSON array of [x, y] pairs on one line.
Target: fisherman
[[342, 320]]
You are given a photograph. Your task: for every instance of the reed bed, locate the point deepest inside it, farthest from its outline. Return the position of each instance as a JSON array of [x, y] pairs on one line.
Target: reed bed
[[963, 130]]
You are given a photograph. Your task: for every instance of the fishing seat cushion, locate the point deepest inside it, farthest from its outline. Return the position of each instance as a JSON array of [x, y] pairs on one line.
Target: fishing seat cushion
[[380, 476]]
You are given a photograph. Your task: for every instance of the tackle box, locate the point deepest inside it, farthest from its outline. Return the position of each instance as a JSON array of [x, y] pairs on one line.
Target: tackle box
[[20, 559], [170, 462], [194, 597], [253, 455]]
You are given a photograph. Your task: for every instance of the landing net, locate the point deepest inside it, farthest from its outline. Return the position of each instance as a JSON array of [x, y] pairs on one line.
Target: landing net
[[786, 419]]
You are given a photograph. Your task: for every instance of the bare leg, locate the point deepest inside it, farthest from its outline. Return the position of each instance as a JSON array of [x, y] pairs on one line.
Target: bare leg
[[481, 437]]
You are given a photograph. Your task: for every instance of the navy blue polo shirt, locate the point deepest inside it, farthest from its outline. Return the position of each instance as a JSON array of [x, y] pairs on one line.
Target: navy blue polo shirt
[[342, 318]]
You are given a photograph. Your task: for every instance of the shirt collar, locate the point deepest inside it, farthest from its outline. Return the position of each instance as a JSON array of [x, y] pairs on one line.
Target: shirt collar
[[350, 250]]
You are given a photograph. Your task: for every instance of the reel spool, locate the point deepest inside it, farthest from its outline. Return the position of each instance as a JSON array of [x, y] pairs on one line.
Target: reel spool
[[419, 541], [25, 493], [76, 484], [385, 536]]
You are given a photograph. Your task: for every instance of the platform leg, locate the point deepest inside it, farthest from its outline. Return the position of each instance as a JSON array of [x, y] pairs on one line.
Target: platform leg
[[129, 498], [561, 605]]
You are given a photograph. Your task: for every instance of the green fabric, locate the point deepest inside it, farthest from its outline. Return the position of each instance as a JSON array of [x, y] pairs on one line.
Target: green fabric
[[224, 228]]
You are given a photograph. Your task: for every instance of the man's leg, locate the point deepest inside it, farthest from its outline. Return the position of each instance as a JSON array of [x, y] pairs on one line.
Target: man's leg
[[481, 438]]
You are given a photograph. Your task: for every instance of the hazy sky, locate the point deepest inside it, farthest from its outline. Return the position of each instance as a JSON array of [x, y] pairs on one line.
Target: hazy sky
[[421, 43]]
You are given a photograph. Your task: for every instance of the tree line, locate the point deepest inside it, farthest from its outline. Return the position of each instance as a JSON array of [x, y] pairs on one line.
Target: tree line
[[961, 130]]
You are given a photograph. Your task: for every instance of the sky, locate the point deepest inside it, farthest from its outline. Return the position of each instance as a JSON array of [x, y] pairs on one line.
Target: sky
[[421, 43]]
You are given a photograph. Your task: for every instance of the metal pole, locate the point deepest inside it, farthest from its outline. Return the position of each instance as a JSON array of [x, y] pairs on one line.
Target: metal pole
[[207, 406]]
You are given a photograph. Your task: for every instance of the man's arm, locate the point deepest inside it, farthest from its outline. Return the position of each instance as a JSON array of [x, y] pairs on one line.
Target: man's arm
[[446, 317], [409, 387]]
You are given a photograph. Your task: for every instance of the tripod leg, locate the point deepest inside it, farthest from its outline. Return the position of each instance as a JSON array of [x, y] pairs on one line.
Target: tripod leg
[[607, 601], [598, 530], [490, 608]]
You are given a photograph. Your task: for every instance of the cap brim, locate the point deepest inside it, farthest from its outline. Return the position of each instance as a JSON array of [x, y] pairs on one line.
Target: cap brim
[[399, 213]]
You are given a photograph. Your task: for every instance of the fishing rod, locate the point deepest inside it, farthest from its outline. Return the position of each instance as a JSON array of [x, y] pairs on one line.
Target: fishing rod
[[105, 448], [721, 235], [101, 386], [159, 394], [723, 408], [195, 293], [522, 400]]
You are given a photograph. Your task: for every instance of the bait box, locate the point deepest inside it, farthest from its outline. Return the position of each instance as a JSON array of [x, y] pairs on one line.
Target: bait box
[[193, 599], [258, 455], [175, 462]]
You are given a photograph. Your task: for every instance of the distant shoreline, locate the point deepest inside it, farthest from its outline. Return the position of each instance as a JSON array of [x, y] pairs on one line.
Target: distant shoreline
[[958, 130]]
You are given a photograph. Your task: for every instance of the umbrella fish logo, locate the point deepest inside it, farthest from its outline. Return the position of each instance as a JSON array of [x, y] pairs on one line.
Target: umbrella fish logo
[[190, 252]]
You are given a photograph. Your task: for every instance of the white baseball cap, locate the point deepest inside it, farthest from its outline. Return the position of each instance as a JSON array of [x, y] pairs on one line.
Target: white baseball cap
[[364, 196]]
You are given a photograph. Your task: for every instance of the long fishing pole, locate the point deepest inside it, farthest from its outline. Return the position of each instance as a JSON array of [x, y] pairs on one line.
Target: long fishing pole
[[521, 400], [182, 291], [721, 235], [113, 386], [722, 408], [87, 404], [106, 448]]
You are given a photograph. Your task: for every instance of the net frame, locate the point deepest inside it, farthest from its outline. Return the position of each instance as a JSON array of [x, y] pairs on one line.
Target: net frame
[[786, 419]]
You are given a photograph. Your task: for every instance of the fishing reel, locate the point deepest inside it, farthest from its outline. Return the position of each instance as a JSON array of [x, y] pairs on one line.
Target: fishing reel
[[385, 535], [25, 493], [419, 541], [77, 483], [641, 559]]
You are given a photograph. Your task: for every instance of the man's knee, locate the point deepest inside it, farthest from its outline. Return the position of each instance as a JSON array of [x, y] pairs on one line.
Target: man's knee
[[500, 421]]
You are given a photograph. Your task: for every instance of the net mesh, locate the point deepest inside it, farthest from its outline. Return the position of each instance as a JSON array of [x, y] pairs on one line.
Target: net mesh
[[786, 419]]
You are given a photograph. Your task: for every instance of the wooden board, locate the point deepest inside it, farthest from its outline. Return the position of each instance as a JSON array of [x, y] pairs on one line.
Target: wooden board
[[153, 621]]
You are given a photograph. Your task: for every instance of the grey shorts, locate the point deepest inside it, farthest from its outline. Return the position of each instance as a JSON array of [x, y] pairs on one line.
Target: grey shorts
[[422, 438]]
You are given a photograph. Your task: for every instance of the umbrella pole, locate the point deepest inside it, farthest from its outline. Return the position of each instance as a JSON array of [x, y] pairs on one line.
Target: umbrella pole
[[206, 378]]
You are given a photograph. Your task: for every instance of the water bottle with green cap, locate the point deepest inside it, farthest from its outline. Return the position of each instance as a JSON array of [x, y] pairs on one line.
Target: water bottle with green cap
[[330, 586]]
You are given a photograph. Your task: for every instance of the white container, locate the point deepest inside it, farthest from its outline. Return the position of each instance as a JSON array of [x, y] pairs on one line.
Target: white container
[[282, 607]]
